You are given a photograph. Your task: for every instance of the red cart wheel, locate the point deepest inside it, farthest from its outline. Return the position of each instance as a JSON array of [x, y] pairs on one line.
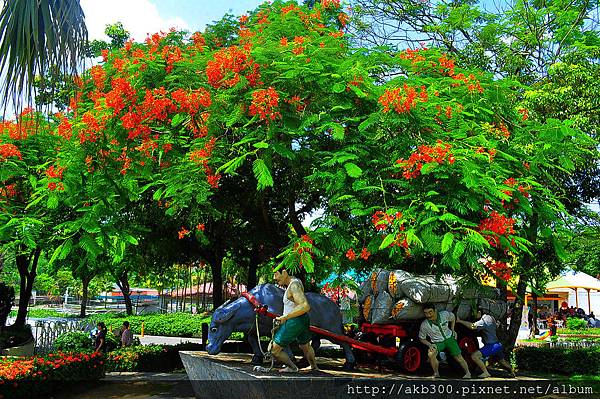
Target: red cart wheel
[[411, 357]]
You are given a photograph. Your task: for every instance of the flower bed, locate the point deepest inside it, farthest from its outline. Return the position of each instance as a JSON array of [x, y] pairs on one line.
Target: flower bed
[[37, 376]]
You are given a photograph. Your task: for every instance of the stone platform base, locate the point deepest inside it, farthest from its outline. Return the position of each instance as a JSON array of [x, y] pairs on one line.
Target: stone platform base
[[230, 376]]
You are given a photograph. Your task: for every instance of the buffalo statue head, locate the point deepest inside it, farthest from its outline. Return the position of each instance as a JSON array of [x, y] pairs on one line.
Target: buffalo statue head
[[222, 325]]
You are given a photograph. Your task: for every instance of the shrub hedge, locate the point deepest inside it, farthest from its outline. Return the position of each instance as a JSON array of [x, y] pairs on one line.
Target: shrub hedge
[[75, 341], [585, 331], [42, 313], [565, 361], [574, 323], [40, 376], [168, 324], [155, 358]]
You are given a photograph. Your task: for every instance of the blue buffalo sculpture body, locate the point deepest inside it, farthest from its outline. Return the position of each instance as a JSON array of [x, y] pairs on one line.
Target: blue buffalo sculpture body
[[239, 316]]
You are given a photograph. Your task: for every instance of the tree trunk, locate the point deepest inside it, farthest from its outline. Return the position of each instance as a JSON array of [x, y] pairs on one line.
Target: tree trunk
[[182, 307], [517, 316], [527, 264], [216, 267], [191, 289], [534, 309], [123, 283], [204, 288], [252, 269], [27, 276], [198, 292], [84, 298]]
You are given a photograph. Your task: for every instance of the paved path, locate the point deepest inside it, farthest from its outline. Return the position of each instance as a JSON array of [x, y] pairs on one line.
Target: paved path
[[157, 339], [135, 385]]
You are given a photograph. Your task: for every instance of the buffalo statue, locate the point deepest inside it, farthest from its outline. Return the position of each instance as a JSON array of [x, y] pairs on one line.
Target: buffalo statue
[[238, 315]]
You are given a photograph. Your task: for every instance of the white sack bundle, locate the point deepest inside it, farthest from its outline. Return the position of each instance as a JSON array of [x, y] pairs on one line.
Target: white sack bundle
[[405, 309], [382, 308], [395, 281], [424, 289]]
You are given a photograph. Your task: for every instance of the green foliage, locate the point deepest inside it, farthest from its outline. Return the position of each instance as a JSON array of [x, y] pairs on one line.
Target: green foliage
[[75, 341], [168, 324], [118, 36], [148, 358], [575, 323], [42, 313], [587, 331], [558, 360]]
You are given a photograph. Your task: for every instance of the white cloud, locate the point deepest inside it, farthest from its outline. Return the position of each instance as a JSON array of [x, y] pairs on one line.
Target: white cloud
[[139, 17]]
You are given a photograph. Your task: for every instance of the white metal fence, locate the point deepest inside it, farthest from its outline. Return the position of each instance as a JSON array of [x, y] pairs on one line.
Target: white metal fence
[[47, 331]]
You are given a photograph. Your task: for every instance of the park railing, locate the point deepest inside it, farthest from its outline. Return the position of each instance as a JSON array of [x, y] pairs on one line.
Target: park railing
[[561, 344], [47, 331]]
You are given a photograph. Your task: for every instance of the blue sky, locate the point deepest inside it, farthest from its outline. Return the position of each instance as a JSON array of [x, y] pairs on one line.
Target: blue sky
[[197, 13], [141, 17]]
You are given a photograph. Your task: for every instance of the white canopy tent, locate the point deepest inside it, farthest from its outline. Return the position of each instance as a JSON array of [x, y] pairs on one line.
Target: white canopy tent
[[572, 280]]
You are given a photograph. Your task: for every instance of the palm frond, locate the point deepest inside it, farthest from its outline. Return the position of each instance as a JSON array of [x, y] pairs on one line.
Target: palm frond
[[34, 36]]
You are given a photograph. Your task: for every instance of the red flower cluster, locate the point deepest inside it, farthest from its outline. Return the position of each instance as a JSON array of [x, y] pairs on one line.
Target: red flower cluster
[[264, 104], [439, 153], [42, 368], [402, 99], [199, 41], [191, 101], [65, 129], [228, 64], [305, 245], [200, 157], [382, 220], [171, 55], [330, 3], [9, 191], [501, 269], [99, 76], [524, 113], [183, 232], [9, 150], [335, 293], [55, 173], [25, 126], [495, 226], [344, 19], [364, 254], [413, 55], [446, 65]]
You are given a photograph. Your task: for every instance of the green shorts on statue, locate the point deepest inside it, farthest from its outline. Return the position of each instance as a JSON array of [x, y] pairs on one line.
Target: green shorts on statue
[[294, 330], [450, 345]]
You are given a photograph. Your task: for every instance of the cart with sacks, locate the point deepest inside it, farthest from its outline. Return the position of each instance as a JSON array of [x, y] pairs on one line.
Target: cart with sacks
[[391, 307]]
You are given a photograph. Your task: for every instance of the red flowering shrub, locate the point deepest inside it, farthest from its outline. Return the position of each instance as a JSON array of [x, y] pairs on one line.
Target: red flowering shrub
[[36, 376], [264, 104], [439, 154], [402, 99], [496, 226]]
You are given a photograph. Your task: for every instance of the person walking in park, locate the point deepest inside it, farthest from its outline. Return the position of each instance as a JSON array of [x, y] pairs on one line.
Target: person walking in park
[[295, 323], [439, 328], [492, 348], [126, 335], [101, 338]]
